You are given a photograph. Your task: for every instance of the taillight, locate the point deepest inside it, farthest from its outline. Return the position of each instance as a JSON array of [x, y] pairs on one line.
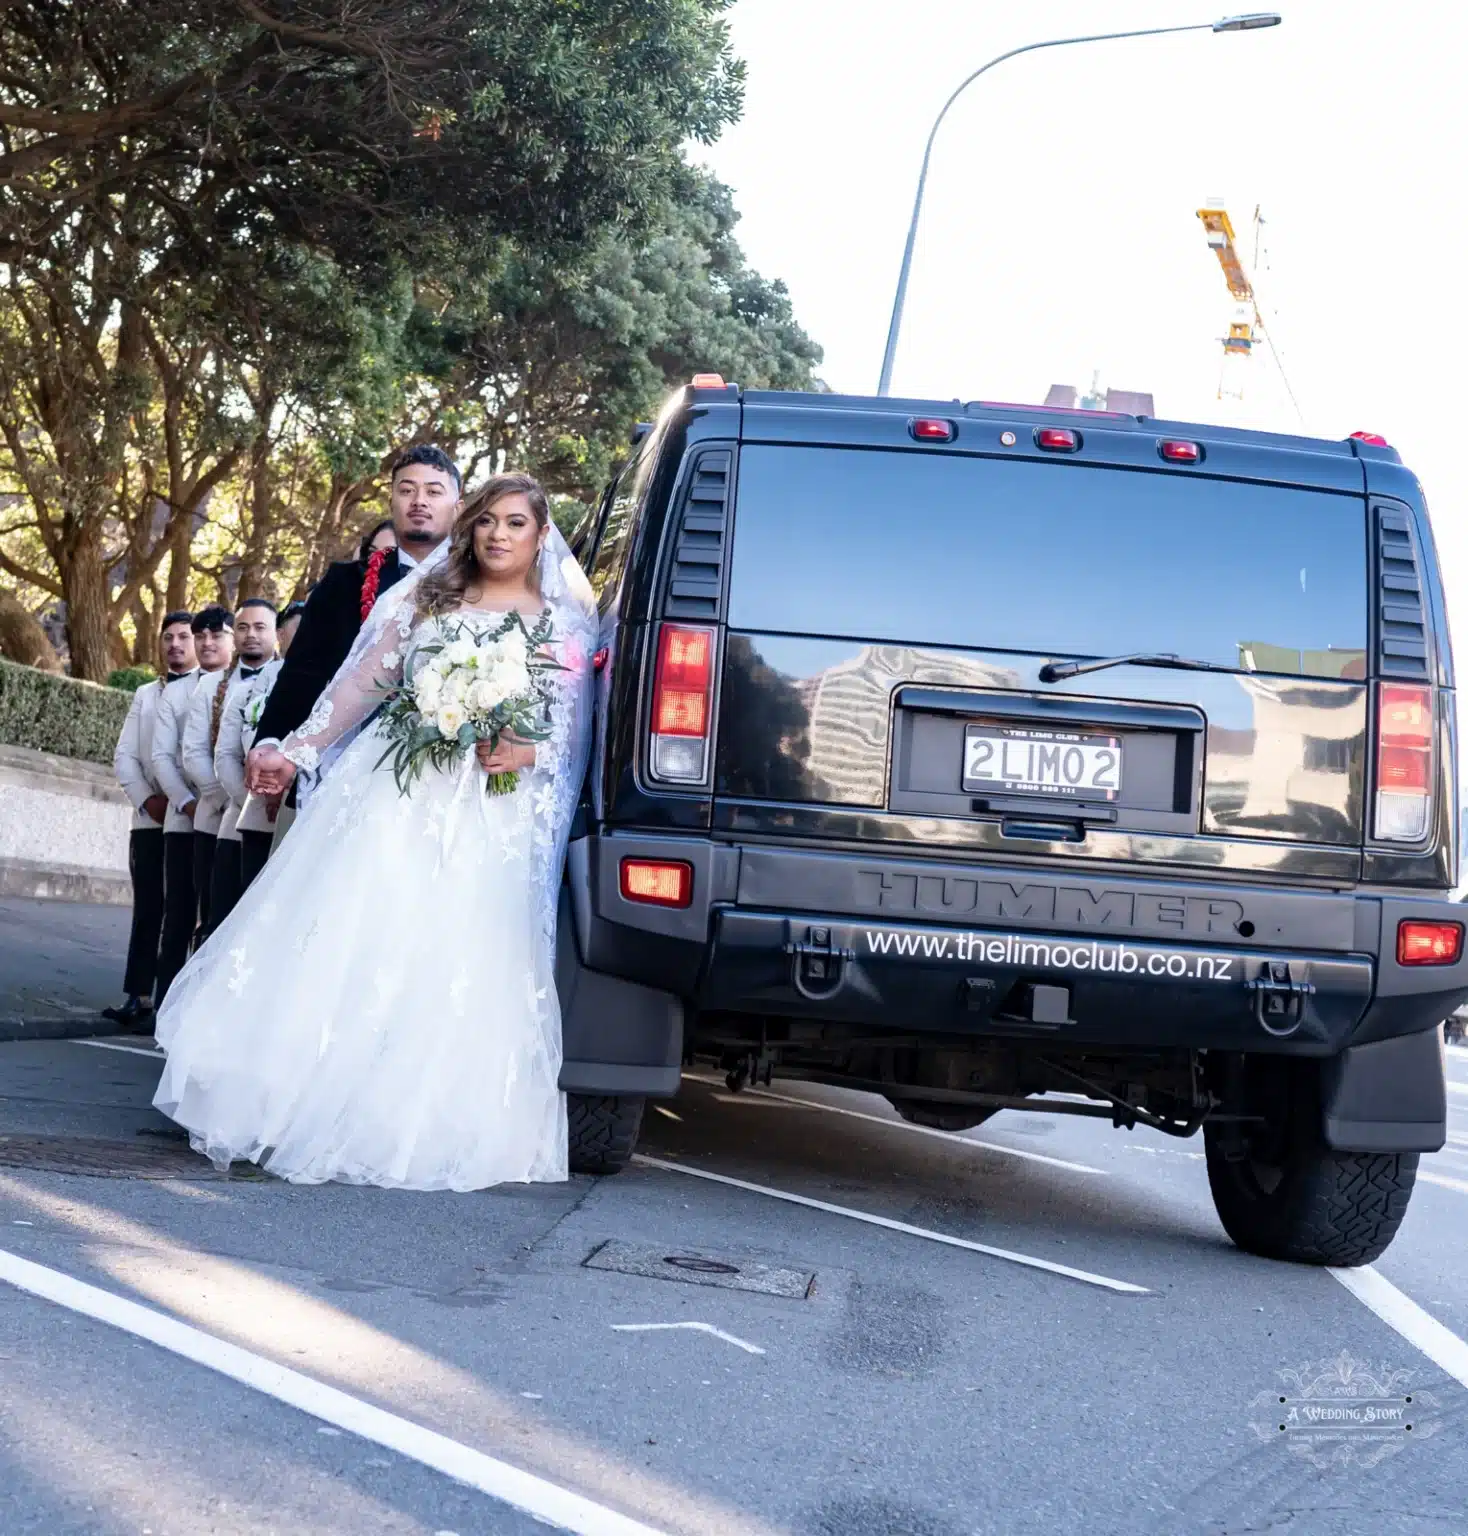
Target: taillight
[[1404, 762], [1420, 943], [1057, 439], [681, 696], [657, 882]]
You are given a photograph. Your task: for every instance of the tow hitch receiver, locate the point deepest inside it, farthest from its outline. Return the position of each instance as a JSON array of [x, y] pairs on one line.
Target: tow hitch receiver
[[817, 964], [1279, 1000]]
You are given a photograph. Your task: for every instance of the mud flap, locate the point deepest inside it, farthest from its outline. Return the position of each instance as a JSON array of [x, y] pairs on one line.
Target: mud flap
[[1387, 1096]]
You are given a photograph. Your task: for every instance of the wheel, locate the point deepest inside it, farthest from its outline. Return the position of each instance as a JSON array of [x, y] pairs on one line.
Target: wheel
[[941, 1117], [1281, 1193], [603, 1131]]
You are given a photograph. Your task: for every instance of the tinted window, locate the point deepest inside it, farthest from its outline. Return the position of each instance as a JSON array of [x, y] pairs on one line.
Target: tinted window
[[1052, 559], [619, 518]]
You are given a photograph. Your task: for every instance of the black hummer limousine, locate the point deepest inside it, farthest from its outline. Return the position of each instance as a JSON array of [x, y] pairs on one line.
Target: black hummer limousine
[[963, 753]]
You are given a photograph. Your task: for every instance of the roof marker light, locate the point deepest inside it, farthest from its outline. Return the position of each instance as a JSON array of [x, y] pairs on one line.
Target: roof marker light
[[1057, 439], [709, 381], [1374, 438], [932, 429], [1176, 452]]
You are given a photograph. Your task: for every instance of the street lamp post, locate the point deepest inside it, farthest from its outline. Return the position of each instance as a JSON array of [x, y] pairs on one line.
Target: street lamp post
[[1228, 24]]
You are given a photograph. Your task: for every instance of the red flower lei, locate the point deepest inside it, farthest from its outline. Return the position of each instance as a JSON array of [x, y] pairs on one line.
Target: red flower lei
[[369, 583]]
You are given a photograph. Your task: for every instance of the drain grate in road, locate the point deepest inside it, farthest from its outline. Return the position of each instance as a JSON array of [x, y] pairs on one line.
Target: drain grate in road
[[105, 1159], [700, 1269]]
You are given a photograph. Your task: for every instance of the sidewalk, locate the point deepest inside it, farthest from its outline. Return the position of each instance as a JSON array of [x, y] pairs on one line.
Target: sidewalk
[[61, 963]]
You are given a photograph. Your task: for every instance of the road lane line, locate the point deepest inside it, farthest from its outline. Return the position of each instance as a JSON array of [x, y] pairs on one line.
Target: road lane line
[[1457, 1087], [1028, 1260], [1442, 1180], [538, 1498], [1398, 1311], [718, 1333], [131, 1050], [950, 1137]]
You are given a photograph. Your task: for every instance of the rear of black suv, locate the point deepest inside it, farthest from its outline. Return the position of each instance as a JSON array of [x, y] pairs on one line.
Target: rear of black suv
[[968, 753]]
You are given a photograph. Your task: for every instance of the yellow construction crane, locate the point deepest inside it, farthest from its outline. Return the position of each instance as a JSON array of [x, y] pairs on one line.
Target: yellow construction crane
[[1246, 327]]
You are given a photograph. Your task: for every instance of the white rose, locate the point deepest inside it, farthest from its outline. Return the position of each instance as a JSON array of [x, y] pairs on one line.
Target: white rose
[[449, 718], [454, 686], [427, 688], [481, 696], [514, 648], [461, 653]]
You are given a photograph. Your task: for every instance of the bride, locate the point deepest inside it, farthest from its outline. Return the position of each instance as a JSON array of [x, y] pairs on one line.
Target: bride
[[380, 1008]]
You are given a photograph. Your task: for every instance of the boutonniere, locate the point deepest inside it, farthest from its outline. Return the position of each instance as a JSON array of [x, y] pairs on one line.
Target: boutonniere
[[372, 579]]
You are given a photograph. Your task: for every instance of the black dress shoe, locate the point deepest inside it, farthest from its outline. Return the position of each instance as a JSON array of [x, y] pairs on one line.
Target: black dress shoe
[[134, 1017]]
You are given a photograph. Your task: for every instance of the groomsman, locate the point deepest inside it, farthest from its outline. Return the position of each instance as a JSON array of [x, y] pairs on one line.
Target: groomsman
[[133, 764], [425, 494], [213, 630], [248, 817], [254, 640]]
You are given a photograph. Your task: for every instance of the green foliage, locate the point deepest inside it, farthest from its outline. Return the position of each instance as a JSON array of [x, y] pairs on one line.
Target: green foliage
[[60, 715], [130, 679]]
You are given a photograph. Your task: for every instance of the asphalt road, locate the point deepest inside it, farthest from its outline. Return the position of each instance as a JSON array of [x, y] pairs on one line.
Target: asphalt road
[[439, 1347]]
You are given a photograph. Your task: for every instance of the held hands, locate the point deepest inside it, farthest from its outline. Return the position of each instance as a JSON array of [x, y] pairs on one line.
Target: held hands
[[155, 808], [511, 755], [268, 771]]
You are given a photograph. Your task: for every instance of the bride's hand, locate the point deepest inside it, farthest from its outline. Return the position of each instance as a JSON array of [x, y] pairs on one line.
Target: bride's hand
[[511, 755]]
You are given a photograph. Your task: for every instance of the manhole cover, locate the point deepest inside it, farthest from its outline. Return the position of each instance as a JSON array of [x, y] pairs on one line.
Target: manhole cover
[[105, 1159], [700, 1269]]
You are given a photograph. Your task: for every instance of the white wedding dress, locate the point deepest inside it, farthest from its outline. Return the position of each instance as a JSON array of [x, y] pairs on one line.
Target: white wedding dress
[[380, 1007]]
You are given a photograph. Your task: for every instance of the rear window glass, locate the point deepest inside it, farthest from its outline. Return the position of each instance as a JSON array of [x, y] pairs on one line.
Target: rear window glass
[[1051, 559]]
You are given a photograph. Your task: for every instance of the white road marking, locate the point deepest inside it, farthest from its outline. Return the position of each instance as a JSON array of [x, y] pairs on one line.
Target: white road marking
[[1457, 1087], [131, 1050], [902, 1125], [538, 1498], [1443, 1182], [718, 1333], [1443, 1347], [662, 1109], [1030, 1262]]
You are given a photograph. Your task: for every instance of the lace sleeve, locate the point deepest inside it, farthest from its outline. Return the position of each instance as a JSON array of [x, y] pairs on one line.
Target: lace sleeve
[[351, 697]]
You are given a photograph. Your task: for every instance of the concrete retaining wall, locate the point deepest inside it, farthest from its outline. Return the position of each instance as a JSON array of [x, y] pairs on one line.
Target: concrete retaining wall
[[63, 829]]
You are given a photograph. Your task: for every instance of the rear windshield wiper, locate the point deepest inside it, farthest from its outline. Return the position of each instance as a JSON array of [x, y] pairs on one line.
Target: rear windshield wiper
[[1058, 671]]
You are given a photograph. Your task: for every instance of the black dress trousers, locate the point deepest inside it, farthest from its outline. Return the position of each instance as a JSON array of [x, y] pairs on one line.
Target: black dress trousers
[[145, 865], [225, 891], [203, 878], [254, 851], [180, 908]]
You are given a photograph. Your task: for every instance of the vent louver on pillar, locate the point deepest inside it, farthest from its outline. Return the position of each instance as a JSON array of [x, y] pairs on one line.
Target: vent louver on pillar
[[1401, 615], [701, 547]]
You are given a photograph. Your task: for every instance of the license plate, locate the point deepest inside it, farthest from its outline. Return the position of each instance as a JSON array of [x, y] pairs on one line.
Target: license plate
[[1030, 762]]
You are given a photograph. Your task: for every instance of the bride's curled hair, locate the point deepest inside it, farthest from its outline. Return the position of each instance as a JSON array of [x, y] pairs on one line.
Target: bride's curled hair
[[443, 590]]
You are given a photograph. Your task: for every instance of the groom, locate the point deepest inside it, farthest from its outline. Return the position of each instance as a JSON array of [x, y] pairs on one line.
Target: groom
[[425, 495]]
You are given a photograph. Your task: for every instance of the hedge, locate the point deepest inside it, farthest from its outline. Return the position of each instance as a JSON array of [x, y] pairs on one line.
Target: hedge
[[60, 715]]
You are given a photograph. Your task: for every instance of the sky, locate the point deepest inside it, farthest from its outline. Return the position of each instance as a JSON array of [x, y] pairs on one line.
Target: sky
[[1059, 234]]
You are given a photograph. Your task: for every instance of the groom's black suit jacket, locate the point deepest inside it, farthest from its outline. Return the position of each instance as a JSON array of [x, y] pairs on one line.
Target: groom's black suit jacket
[[328, 626]]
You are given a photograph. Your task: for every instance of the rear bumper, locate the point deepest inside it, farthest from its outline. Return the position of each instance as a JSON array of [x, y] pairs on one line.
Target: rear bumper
[[1061, 956]]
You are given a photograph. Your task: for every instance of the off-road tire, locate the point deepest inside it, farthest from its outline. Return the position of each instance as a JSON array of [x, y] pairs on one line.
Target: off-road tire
[[603, 1131], [1336, 1208], [941, 1117]]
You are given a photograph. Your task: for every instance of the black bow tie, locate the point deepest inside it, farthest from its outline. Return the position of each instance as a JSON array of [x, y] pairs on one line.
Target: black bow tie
[[251, 671], [174, 677]]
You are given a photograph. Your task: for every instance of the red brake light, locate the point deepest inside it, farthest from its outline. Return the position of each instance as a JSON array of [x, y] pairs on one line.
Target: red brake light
[[1181, 453], [1057, 439], [1404, 761], [1421, 943], [682, 687], [1374, 438], [930, 429], [657, 882]]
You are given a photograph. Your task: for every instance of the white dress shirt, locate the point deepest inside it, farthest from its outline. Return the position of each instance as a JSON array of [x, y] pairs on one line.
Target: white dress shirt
[[132, 762], [168, 725]]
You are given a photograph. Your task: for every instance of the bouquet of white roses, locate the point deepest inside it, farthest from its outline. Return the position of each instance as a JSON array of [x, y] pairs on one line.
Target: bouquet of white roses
[[465, 689]]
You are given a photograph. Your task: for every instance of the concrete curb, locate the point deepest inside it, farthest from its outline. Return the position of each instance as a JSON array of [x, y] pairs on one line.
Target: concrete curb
[[57, 1029], [34, 881]]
